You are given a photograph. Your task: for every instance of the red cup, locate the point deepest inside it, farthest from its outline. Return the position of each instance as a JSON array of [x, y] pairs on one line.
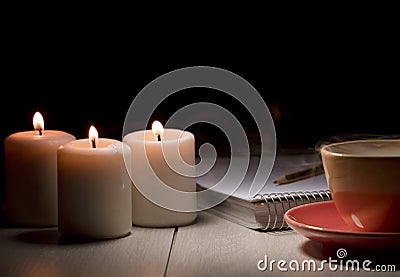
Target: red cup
[[364, 179]]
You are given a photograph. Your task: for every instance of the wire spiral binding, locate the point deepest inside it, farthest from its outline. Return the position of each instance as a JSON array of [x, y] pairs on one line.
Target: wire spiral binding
[[292, 199]]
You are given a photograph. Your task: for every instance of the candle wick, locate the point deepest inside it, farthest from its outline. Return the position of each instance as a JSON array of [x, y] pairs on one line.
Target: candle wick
[[159, 137], [93, 143], [40, 132]]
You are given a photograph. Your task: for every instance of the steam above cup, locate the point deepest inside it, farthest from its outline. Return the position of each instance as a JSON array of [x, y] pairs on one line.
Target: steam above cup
[[364, 179]]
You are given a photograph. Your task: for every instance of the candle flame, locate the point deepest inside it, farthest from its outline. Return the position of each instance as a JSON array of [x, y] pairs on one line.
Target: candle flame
[[38, 122], [93, 136], [157, 128]]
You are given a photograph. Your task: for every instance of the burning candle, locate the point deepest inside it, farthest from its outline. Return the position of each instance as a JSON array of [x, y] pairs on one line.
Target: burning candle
[[94, 188], [31, 174], [151, 171]]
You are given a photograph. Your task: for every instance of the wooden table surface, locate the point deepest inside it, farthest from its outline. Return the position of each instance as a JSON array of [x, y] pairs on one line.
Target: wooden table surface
[[210, 247]]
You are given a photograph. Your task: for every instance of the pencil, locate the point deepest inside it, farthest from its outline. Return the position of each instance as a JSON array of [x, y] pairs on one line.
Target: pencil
[[301, 174]]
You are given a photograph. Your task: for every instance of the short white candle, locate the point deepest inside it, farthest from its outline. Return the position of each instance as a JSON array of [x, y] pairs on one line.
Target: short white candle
[[94, 189], [31, 174], [147, 147]]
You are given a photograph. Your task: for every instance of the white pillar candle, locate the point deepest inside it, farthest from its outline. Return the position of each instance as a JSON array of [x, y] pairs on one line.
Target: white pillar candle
[[31, 175], [94, 189], [151, 171]]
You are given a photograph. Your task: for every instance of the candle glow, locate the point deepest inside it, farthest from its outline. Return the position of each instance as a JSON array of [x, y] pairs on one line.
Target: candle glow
[[93, 136], [31, 174], [158, 185], [86, 173], [38, 122], [157, 129]]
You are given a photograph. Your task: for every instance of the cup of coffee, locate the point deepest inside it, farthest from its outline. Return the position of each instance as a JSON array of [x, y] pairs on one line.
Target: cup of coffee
[[364, 179]]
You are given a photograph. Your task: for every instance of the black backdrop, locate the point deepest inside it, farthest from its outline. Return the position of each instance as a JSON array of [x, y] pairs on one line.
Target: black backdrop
[[313, 88], [310, 96]]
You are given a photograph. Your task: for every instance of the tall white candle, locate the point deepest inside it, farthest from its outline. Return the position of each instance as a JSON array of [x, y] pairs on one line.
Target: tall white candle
[[94, 189], [31, 174], [150, 170]]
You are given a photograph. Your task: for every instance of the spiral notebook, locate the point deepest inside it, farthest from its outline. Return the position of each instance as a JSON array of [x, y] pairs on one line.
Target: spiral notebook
[[265, 211]]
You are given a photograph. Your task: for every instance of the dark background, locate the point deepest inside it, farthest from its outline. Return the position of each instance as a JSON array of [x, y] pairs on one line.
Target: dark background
[[316, 82]]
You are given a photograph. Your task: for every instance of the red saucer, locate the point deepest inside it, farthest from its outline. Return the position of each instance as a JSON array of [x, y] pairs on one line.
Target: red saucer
[[321, 222]]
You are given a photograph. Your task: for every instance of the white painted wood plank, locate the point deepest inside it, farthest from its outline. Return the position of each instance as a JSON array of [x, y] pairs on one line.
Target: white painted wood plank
[[216, 247], [40, 252], [210, 247]]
